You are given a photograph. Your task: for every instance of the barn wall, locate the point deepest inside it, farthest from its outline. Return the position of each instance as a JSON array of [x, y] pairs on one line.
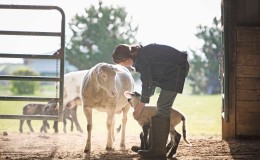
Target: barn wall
[[241, 19], [248, 81]]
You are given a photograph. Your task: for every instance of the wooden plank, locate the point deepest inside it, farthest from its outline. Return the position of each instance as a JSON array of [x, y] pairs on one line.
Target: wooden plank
[[247, 83], [248, 71], [248, 117], [248, 60], [246, 34], [248, 95], [248, 129], [248, 47], [257, 35], [248, 106]]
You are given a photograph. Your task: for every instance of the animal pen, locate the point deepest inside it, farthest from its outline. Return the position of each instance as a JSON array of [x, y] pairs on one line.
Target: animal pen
[[58, 79]]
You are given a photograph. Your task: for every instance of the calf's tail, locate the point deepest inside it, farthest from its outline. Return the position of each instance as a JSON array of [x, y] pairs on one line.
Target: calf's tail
[[184, 130]]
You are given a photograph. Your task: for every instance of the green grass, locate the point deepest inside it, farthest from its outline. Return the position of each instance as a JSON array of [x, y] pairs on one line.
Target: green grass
[[203, 113], [203, 116]]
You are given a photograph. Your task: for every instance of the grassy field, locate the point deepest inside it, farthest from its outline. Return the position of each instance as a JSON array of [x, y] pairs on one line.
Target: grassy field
[[203, 114]]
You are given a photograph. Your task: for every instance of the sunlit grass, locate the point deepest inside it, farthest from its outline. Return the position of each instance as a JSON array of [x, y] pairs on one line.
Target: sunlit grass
[[203, 116]]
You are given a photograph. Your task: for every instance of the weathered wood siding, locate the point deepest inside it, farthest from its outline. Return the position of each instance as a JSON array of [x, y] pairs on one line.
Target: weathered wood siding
[[248, 81]]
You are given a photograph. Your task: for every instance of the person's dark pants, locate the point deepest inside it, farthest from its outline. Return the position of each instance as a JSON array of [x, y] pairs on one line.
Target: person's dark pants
[[165, 102]]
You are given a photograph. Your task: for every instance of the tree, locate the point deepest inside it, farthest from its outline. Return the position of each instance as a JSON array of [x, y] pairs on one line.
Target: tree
[[24, 87], [96, 34], [204, 64]]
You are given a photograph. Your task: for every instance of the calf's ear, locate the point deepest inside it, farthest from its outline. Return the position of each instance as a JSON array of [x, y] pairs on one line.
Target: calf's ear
[[127, 94]]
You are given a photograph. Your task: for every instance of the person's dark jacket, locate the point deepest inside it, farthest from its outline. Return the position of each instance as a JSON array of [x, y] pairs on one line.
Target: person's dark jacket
[[161, 66]]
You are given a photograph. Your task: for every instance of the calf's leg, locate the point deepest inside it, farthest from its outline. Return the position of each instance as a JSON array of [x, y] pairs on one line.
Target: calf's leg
[[176, 137], [146, 130], [137, 148]]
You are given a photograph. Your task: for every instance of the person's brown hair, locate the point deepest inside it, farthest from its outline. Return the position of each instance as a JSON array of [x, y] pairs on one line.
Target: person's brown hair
[[124, 51]]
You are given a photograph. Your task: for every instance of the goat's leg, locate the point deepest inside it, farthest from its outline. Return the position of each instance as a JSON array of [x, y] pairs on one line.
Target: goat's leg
[[21, 126], [71, 122], [45, 125], [55, 126], [64, 125], [75, 119], [88, 114], [176, 138], [110, 116], [124, 120], [29, 125], [113, 128]]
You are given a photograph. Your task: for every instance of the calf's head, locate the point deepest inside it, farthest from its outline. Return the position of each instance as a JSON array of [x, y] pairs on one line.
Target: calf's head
[[133, 98]]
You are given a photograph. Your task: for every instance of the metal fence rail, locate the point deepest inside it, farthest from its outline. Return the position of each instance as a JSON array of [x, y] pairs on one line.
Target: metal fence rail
[[59, 56]]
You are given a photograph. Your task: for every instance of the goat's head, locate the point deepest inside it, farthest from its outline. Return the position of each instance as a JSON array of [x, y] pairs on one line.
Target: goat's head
[[133, 98], [106, 78], [51, 109]]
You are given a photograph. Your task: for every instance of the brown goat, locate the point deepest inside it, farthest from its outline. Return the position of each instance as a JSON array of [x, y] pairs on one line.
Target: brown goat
[[40, 109]]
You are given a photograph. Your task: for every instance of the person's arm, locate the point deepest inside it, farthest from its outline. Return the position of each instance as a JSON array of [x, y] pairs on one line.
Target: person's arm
[[147, 82]]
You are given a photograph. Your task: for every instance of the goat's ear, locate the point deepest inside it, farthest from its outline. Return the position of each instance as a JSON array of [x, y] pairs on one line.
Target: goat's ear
[[99, 71], [117, 70], [127, 94]]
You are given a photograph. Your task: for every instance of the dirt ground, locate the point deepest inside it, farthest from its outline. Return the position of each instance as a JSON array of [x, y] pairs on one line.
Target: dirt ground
[[70, 147]]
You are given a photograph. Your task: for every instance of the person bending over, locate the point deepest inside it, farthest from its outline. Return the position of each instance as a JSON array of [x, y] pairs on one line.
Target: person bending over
[[159, 66]]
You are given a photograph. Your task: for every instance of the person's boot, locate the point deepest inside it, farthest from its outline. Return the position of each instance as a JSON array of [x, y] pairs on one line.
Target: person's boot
[[159, 136]]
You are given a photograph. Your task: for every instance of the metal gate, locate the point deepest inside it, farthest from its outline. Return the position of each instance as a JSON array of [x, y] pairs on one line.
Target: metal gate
[[58, 55]]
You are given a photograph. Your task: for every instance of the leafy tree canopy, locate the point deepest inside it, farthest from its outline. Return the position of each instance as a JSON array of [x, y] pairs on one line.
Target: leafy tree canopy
[[96, 33], [204, 63]]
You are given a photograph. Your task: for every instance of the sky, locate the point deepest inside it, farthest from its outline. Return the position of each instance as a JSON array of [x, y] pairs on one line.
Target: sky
[[170, 22]]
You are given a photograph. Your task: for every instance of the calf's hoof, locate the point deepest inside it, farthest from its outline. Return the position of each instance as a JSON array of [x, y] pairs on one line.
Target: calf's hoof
[[135, 148]]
